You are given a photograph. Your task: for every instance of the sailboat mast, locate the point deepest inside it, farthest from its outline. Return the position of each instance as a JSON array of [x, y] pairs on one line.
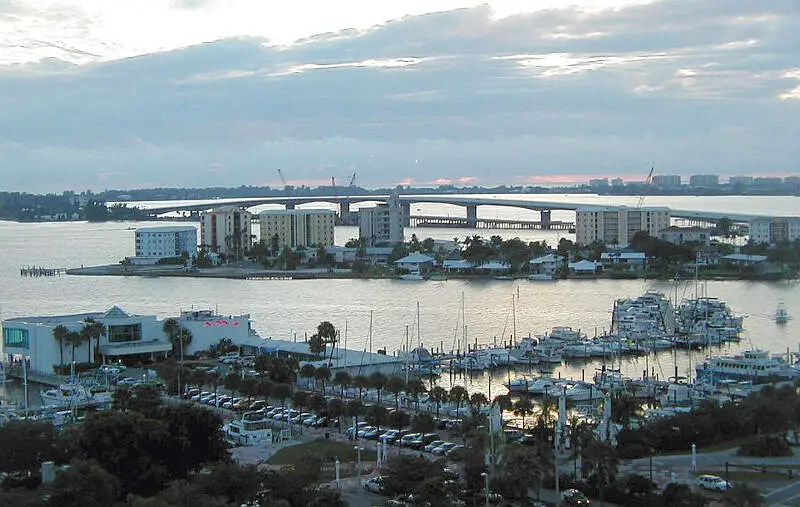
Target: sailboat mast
[[419, 336], [370, 337], [514, 320]]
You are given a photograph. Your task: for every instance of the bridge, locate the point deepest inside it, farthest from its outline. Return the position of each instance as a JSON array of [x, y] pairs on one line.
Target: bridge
[[470, 203]]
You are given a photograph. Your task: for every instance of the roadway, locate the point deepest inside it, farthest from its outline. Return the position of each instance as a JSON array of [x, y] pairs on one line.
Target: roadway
[[457, 200]]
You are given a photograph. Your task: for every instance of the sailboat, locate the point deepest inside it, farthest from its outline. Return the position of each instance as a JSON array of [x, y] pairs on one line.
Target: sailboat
[[781, 315]]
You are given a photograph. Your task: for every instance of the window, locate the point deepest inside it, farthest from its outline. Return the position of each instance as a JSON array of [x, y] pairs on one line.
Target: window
[[15, 338], [126, 333]]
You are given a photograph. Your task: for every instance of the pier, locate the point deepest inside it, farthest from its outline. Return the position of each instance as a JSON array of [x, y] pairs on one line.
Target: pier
[[488, 223], [37, 271]]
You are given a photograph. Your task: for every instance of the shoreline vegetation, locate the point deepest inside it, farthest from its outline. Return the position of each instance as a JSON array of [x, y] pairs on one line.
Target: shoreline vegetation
[[256, 272]]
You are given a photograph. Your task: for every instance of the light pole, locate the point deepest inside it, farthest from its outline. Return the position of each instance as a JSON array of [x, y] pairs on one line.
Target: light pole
[[358, 463], [485, 488]]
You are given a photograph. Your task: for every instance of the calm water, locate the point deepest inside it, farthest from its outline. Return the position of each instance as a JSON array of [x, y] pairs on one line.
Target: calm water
[[288, 309]]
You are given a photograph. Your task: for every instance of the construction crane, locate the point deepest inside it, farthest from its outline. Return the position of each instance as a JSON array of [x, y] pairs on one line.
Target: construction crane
[[280, 173], [353, 180], [645, 187], [333, 182]]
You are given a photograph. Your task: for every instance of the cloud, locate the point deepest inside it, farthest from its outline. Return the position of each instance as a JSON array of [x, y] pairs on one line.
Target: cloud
[[689, 85]]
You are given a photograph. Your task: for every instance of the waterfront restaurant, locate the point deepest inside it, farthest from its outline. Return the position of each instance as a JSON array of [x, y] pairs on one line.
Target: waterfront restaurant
[[32, 339]]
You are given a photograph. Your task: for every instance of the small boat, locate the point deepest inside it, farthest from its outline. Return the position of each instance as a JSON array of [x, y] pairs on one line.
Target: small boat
[[781, 315], [546, 386], [519, 384], [412, 276]]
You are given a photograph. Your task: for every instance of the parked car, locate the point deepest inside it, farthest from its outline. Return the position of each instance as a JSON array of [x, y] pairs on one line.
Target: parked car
[[127, 381], [389, 436], [455, 452], [433, 445], [364, 430], [190, 392], [374, 485], [320, 421], [258, 405], [405, 440], [351, 430], [574, 497], [713, 483], [439, 451]]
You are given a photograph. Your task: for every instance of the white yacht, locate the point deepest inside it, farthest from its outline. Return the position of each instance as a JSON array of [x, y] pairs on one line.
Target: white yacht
[[74, 394], [253, 428], [546, 385], [583, 392], [749, 365]]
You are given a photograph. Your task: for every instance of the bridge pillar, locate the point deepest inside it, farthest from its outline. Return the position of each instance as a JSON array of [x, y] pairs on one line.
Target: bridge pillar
[[289, 204], [344, 210], [545, 214], [405, 208], [472, 216]]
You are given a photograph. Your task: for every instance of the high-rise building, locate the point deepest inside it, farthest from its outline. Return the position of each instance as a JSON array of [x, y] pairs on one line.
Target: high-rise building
[[382, 224], [703, 180], [616, 225], [297, 227], [156, 243], [743, 181], [667, 180], [226, 231]]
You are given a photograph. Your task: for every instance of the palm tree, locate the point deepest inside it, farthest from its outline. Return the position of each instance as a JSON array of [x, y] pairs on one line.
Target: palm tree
[[458, 395], [624, 408], [61, 333], [307, 372], [377, 381], [361, 382], [549, 405], [503, 401], [600, 459], [478, 400], [322, 374], [415, 388], [396, 385], [438, 394], [342, 379], [523, 408], [169, 327], [93, 331], [75, 339]]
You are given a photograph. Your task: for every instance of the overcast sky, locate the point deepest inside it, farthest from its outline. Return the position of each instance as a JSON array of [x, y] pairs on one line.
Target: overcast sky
[[104, 94]]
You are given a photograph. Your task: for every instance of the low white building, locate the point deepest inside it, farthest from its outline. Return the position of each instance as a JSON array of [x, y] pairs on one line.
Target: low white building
[[683, 235], [416, 262], [630, 261], [156, 243], [32, 338], [583, 267], [546, 265]]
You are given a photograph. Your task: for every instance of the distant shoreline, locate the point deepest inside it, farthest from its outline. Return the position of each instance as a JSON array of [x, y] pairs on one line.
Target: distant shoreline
[[254, 273]]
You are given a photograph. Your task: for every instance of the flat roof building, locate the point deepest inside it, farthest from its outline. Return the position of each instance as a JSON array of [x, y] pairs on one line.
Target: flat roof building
[[382, 224], [294, 228], [156, 243], [616, 225], [774, 230]]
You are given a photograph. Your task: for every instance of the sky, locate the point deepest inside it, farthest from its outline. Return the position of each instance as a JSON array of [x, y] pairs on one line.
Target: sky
[[195, 93]]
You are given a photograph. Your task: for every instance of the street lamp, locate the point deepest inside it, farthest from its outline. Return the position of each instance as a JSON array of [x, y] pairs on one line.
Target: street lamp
[[486, 487], [358, 450]]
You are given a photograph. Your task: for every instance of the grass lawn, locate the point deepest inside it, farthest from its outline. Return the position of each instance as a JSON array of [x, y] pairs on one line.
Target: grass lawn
[[324, 449]]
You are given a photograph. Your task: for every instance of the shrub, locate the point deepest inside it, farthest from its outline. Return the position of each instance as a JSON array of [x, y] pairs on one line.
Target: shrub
[[766, 446]]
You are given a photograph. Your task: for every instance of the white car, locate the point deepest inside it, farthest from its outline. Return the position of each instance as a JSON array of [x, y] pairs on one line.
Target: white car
[[374, 485], [713, 483]]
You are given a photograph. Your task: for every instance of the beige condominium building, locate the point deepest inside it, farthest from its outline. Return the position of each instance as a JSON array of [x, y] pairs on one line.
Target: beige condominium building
[[226, 231], [616, 225], [298, 227]]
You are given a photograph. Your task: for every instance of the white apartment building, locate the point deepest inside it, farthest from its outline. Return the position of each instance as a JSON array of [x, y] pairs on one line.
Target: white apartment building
[[616, 225], [682, 235], [32, 338], [226, 231], [382, 224], [667, 180], [703, 180], [298, 227], [774, 230], [156, 243]]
